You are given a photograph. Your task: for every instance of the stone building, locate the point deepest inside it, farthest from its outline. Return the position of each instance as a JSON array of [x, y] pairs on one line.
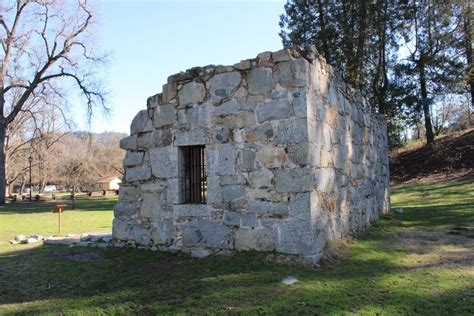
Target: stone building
[[274, 153]]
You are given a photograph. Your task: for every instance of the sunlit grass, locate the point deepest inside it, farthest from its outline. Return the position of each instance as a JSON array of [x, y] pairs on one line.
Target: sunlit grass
[[91, 215]]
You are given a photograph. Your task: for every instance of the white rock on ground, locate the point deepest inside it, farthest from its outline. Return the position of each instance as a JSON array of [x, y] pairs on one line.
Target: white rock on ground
[[96, 240], [20, 238], [61, 240], [289, 280]]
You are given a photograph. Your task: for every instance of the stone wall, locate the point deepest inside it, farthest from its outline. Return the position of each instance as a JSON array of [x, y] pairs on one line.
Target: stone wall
[[294, 158]]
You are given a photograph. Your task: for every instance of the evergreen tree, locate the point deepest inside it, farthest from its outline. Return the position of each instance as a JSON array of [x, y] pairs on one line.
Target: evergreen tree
[[403, 54], [358, 38], [431, 67]]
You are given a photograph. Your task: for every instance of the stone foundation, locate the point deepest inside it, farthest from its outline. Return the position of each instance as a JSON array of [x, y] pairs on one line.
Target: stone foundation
[[294, 158]]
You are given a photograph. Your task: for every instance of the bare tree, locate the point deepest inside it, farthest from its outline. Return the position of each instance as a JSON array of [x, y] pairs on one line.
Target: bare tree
[[76, 166], [46, 50], [37, 128]]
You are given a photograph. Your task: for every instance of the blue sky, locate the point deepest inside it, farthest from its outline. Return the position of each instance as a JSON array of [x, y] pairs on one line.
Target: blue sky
[[150, 40]]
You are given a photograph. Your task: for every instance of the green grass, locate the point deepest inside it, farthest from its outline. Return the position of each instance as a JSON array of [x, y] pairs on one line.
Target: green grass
[[91, 214], [406, 264]]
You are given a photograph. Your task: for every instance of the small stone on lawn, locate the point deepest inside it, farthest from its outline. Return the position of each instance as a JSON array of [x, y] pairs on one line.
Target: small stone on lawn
[[289, 280]]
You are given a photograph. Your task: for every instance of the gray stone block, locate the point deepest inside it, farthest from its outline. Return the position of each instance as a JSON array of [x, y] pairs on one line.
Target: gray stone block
[[164, 162], [296, 237], [243, 64], [214, 190], [300, 103], [247, 160], [129, 143], [153, 186], [249, 220], [260, 80], [261, 179], [165, 232], [231, 179], [300, 206], [263, 58], [133, 158], [298, 153], [193, 137], [173, 191], [223, 84], [261, 132], [281, 55], [239, 204], [273, 110], [199, 116], [265, 207], [141, 123], [226, 108], [221, 135], [157, 138], [292, 180], [151, 205], [191, 92], [259, 239], [231, 218], [164, 115], [324, 180], [232, 192], [292, 131], [239, 120], [129, 193], [191, 210], [221, 159], [137, 173], [205, 233], [120, 230], [169, 92], [125, 209], [141, 235], [154, 100], [272, 157], [293, 73]]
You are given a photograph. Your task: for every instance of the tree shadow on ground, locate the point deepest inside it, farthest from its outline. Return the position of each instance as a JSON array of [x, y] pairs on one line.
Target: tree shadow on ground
[[371, 279]]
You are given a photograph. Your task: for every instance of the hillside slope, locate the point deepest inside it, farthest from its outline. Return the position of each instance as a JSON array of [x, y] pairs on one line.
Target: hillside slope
[[450, 155]]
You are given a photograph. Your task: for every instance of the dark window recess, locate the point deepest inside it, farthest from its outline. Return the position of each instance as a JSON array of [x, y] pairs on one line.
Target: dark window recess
[[195, 178]]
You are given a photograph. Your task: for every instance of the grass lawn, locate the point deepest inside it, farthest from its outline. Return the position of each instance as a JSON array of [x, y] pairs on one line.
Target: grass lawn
[[91, 214], [418, 262]]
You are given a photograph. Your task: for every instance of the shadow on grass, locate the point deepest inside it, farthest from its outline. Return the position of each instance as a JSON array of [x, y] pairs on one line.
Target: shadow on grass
[[43, 280], [438, 186], [437, 216]]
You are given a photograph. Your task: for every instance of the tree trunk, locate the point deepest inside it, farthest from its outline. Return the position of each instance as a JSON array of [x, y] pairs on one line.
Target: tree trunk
[[324, 41], [9, 189], [425, 102], [23, 184], [469, 58], [73, 197], [2, 161], [42, 186], [361, 41]]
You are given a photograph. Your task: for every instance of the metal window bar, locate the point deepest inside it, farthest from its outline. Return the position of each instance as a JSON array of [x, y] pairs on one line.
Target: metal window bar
[[195, 178]]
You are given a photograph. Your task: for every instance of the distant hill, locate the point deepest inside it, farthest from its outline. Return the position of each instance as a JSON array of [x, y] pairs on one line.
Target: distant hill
[[100, 138], [450, 156]]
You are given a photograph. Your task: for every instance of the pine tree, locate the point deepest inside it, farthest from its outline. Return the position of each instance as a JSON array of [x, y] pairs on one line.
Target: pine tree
[[431, 67]]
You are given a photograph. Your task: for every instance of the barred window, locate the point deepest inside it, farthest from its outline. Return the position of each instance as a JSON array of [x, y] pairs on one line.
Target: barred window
[[194, 180]]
